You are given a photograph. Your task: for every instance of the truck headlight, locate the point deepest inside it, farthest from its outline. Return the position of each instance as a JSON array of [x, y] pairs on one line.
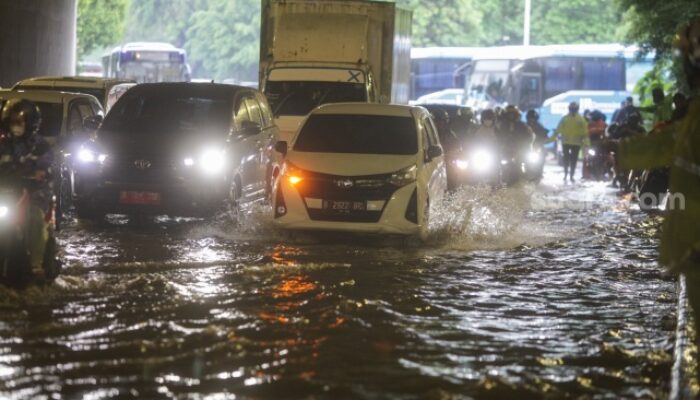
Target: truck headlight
[[404, 176]]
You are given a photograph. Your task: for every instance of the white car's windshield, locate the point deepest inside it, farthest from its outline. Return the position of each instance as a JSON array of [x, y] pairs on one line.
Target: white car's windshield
[[358, 134]]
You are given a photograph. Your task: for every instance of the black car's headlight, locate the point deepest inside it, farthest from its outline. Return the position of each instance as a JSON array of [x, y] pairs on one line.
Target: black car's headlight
[[90, 156], [211, 161], [404, 176]]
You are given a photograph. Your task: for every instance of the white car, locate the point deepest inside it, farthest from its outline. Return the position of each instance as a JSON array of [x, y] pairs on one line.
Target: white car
[[98, 87], [447, 96], [360, 167]]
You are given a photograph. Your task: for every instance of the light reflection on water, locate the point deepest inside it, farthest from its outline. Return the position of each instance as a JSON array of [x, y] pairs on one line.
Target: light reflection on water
[[512, 297]]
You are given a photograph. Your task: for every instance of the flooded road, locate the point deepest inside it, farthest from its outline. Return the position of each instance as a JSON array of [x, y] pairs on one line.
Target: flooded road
[[549, 291]]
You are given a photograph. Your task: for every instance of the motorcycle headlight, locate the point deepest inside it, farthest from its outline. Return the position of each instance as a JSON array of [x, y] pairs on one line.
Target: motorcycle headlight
[[591, 152], [404, 176], [462, 164], [4, 211], [482, 160], [533, 157], [88, 156], [212, 161]]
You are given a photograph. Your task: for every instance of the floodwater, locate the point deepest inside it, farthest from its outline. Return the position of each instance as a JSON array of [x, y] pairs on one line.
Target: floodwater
[[544, 291]]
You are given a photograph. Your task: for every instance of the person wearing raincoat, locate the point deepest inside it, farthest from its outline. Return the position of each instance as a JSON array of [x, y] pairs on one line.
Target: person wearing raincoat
[[680, 240]]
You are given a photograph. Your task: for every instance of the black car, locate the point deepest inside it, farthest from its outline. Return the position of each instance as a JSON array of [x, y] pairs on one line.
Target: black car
[[179, 149]]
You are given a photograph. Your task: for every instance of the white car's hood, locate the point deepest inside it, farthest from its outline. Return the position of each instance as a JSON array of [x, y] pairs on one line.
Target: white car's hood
[[287, 127], [350, 164]]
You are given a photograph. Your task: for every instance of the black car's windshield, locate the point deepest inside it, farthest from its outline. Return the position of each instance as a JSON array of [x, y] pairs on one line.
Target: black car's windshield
[[166, 113], [299, 98], [358, 134]]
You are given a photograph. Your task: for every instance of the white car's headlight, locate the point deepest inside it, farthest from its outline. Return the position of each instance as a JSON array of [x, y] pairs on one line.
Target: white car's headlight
[[89, 156], [482, 160], [533, 157], [213, 161], [404, 176], [591, 152], [4, 211]]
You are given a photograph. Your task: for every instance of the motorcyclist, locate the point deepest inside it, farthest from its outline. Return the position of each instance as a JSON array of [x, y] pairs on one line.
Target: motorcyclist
[[514, 135], [541, 133], [680, 235], [486, 131], [450, 143], [573, 129], [25, 154], [463, 123]]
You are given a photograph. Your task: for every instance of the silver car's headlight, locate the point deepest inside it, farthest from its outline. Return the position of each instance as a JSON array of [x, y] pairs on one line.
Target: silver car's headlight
[[404, 176]]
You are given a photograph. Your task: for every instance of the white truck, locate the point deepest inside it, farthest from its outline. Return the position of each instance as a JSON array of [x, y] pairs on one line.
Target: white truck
[[314, 52]]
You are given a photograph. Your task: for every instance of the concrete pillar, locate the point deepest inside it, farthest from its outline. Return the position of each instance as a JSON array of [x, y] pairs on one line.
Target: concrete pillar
[[37, 37]]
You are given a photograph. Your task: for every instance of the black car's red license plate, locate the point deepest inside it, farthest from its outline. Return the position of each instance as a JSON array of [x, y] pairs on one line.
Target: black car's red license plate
[[139, 198], [335, 205]]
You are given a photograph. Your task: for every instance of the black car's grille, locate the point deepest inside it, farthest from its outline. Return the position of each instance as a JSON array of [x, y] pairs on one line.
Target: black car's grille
[[345, 188], [137, 169]]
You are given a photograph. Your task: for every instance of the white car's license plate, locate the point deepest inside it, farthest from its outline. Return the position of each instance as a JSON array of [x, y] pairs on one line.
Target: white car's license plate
[[335, 205]]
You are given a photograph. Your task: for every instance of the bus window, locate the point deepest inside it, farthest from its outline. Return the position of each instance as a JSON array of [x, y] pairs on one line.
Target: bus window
[[603, 74], [530, 93], [560, 76], [488, 80]]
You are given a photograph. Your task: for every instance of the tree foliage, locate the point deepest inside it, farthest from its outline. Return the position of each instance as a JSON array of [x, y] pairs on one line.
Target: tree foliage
[[100, 23], [443, 22], [653, 24], [221, 36]]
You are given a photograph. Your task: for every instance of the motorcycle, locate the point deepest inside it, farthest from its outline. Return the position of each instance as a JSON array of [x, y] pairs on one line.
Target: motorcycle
[[534, 165], [15, 264], [479, 166], [598, 164]]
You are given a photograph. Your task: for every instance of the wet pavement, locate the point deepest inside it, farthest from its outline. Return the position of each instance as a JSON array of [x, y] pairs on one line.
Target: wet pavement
[[544, 291]]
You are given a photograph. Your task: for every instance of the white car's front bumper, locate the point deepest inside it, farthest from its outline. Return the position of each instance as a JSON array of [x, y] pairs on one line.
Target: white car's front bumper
[[393, 219]]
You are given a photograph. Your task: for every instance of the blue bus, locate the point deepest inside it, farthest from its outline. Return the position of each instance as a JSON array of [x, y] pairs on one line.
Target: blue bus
[[547, 77], [146, 62], [438, 68]]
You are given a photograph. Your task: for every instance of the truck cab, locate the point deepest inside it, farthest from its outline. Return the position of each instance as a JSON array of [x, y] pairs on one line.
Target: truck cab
[[294, 91]]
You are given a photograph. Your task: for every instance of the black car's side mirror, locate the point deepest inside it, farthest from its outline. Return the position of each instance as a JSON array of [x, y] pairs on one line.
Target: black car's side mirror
[[281, 147], [92, 122], [250, 128], [434, 152]]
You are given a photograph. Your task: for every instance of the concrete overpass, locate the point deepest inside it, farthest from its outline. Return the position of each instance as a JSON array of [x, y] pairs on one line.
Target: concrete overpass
[[37, 37]]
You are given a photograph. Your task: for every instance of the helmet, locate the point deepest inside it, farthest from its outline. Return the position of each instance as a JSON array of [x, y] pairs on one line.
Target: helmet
[[440, 116], [465, 113], [573, 106], [688, 42], [532, 115], [488, 114], [21, 110], [512, 112]]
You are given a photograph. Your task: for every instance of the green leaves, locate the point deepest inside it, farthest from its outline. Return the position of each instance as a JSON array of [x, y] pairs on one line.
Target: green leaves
[[100, 23]]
